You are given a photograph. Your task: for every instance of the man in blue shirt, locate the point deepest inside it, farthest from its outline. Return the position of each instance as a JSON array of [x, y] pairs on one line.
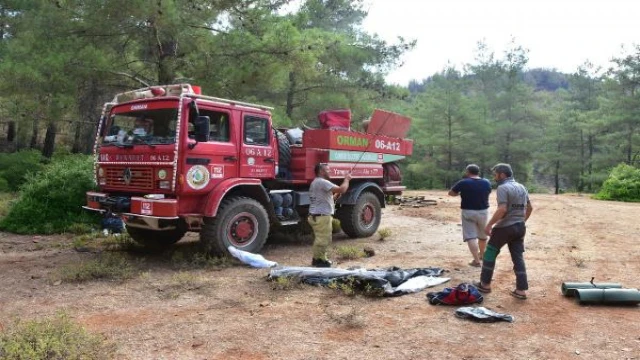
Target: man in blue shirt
[[474, 192]]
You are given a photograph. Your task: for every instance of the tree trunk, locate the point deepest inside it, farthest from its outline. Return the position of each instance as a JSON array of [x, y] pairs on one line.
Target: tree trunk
[[506, 156], [11, 131], [166, 73], [166, 51], [290, 94], [2, 24], [557, 177], [581, 180], [34, 133], [90, 137], [449, 147], [90, 95], [590, 163], [630, 145], [77, 135], [49, 140]]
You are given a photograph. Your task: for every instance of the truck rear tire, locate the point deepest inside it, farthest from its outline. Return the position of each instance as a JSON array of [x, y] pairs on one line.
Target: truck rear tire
[[284, 151], [156, 239], [361, 219], [241, 222]]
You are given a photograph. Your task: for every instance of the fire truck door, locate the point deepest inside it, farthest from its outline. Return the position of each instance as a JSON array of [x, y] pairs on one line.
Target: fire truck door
[[257, 155], [219, 156]]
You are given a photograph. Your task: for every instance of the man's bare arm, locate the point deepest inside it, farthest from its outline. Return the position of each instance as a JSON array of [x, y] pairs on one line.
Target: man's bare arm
[[343, 187], [501, 211], [452, 193], [529, 211]]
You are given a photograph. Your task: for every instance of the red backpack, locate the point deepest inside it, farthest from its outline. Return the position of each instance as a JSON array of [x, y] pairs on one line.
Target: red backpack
[[462, 294]]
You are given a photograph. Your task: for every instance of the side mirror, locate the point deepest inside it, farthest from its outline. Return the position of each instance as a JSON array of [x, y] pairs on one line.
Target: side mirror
[[201, 126]]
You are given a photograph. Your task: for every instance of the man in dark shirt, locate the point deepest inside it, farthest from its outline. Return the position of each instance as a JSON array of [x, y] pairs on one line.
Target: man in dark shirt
[[474, 192]]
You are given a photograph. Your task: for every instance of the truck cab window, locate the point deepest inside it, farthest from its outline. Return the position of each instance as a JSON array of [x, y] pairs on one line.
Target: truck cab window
[[219, 125], [154, 127], [256, 131]]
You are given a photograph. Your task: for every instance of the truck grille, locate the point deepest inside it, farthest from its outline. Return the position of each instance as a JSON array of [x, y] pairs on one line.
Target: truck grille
[[141, 178]]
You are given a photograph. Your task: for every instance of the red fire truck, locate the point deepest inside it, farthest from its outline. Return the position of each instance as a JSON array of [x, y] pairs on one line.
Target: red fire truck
[[170, 160]]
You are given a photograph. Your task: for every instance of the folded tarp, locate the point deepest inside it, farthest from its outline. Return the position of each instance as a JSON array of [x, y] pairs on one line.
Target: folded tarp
[[251, 259], [569, 288], [482, 314], [608, 296], [387, 282]]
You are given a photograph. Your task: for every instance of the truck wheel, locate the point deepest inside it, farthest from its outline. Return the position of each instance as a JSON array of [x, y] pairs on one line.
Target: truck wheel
[[284, 151], [361, 219], [155, 239], [241, 222]]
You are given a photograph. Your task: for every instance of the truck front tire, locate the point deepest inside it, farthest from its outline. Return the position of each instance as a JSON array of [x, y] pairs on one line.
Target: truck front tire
[[361, 219], [241, 222]]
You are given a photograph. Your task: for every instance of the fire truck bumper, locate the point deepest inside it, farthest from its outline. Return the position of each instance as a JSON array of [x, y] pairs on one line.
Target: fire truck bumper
[[153, 214]]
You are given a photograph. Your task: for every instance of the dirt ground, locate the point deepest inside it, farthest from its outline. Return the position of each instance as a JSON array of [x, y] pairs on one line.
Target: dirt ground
[[234, 313]]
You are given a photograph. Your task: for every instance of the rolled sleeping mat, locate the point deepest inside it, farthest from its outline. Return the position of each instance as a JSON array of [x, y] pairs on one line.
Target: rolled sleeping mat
[[608, 296], [569, 288]]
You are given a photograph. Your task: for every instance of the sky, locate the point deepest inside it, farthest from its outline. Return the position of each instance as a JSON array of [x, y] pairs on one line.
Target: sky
[[560, 34]]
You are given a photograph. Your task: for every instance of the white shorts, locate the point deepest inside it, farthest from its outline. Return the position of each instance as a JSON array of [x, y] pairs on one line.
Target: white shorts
[[473, 224]]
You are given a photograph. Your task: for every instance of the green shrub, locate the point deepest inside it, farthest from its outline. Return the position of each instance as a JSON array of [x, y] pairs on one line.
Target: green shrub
[[6, 200], [89, 242], [336, 227], [352, 286], [107, 266], [119, 242], [384, 233], [349, 253], [192, 257], [286, 283], [79, 228], [18, 167], [50, 202], [623, 184], [4, 185], [54, 338]]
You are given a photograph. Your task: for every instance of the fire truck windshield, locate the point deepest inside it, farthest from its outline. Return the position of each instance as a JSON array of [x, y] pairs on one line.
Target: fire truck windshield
[[151, 127]]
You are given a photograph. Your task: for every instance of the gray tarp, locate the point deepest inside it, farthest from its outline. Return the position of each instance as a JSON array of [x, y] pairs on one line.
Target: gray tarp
[[390, 282], [482, 314]]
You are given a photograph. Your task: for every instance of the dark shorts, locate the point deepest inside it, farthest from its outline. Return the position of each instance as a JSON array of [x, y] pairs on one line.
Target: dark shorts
[[509, 234]]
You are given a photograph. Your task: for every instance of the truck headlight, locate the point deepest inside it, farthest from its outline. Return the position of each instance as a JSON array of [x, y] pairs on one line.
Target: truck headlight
[[164, 185]]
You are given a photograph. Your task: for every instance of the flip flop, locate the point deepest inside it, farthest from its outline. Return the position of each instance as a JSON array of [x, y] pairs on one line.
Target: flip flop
[[481, 288], [518, 296]]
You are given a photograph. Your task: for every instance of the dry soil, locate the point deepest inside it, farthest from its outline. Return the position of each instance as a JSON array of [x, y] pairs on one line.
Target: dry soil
[[234, 313]]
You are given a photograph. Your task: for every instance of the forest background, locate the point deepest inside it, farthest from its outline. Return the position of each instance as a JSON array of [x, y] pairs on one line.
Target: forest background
[[61, 60]]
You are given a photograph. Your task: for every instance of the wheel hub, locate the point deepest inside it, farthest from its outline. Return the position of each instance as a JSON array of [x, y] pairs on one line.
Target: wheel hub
[[242, 229], [367, 215]]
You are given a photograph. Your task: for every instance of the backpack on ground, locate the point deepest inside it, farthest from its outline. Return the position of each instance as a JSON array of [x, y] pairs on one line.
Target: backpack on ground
[[463, 294]]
